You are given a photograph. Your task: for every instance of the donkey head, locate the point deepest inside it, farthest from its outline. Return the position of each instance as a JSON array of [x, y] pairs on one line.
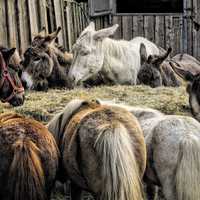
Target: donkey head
[[150, 71], [193, 87], [11, 89], [39, 60], [88, 53]]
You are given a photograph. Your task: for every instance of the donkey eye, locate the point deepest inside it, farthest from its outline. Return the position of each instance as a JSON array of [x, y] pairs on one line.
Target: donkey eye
[[37, 59]]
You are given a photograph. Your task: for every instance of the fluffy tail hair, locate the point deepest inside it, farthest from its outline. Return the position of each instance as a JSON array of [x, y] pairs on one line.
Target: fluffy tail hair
[[26, 180], [120, 171], [188, 169]]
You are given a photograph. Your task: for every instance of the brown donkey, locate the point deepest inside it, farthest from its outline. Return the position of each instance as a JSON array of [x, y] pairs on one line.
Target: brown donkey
[[29, 159], [11, 89], [45, 63], [102, 148]]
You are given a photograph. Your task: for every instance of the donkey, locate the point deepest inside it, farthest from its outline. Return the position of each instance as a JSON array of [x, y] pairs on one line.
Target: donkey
[[155, 70], [11, 89], [29, 159], [192, 76], [45, 64], [102, 149], [110, 61], [173, 152], [187, 62]]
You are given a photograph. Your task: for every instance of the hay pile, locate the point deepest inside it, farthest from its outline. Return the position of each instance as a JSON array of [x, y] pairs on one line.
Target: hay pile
[[42, 106]]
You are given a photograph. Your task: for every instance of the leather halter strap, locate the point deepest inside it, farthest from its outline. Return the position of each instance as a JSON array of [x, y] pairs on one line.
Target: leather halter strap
[[6, 76]]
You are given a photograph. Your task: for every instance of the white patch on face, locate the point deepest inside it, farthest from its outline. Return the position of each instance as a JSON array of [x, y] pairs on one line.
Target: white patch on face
[[28, 79]]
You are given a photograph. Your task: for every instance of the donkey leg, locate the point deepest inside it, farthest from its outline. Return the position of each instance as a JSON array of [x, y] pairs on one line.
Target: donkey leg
[[168, 189], [75, 192], [151, 192]]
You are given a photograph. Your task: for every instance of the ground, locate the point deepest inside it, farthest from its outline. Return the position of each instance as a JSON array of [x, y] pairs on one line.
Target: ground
[[43, 105]]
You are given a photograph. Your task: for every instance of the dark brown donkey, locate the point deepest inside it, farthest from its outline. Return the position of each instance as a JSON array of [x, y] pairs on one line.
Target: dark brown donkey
[[11, 89], [192, 76], [45, 64], [29, 159], [155, 70], [102, 148]]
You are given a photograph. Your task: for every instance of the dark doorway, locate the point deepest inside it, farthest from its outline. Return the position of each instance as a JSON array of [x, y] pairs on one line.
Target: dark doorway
[[149, 6]]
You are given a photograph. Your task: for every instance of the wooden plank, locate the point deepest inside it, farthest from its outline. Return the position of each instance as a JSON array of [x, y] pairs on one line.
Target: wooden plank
[[12, 29], [97, 23], [159, 31], [58, 18], [74, 21], [194, 31], [43, 14], [78, 12], [106, 22], [140, 21], [149, 22], [33, 17], [127, 27], [118, 20], [68, 24], [64, 31], [177, 29], [189, 28], [169, 31], [3, 29], [24, 34], [198, 32], [135, 26]]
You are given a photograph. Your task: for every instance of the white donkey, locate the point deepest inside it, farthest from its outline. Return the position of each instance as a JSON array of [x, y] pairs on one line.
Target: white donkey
[[173, 152], [113, 61]]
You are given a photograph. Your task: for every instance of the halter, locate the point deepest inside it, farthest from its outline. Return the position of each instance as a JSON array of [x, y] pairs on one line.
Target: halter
[[6, 76]]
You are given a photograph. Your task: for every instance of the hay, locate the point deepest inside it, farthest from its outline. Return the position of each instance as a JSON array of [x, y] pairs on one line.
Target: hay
[[42, 106]]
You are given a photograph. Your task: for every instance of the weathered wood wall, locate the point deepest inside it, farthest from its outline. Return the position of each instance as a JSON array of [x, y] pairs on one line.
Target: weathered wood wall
[[177, 31], [20, 20]]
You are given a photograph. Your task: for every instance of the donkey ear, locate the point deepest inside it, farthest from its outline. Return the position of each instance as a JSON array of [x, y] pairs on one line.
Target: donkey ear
[[106, 32], [163, 57], [52, 36], [184, 74], [143, 53], [43, 32], [150, 58], [90, 27], [7, 54]]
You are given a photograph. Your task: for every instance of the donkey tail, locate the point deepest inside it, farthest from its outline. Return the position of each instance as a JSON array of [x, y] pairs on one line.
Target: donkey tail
[[26, 180], [120, 171], [188, 169]]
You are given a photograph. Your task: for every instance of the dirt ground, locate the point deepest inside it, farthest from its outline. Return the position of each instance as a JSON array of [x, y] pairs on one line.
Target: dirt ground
[[43, 105]]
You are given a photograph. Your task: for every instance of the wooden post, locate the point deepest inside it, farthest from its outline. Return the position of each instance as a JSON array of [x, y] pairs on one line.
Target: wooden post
[[33, 18], [69, 23], [58, 17], [12, 29], [3, 29]]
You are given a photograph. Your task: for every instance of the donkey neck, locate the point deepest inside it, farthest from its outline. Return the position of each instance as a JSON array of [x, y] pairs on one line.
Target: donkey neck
[[119, 61]]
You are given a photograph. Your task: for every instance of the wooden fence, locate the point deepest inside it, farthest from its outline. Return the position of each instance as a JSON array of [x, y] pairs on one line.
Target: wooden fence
[[20, 20]]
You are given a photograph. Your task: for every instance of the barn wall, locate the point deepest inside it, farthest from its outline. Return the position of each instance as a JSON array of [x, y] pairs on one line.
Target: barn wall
[[176, 31], [21, 20]]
